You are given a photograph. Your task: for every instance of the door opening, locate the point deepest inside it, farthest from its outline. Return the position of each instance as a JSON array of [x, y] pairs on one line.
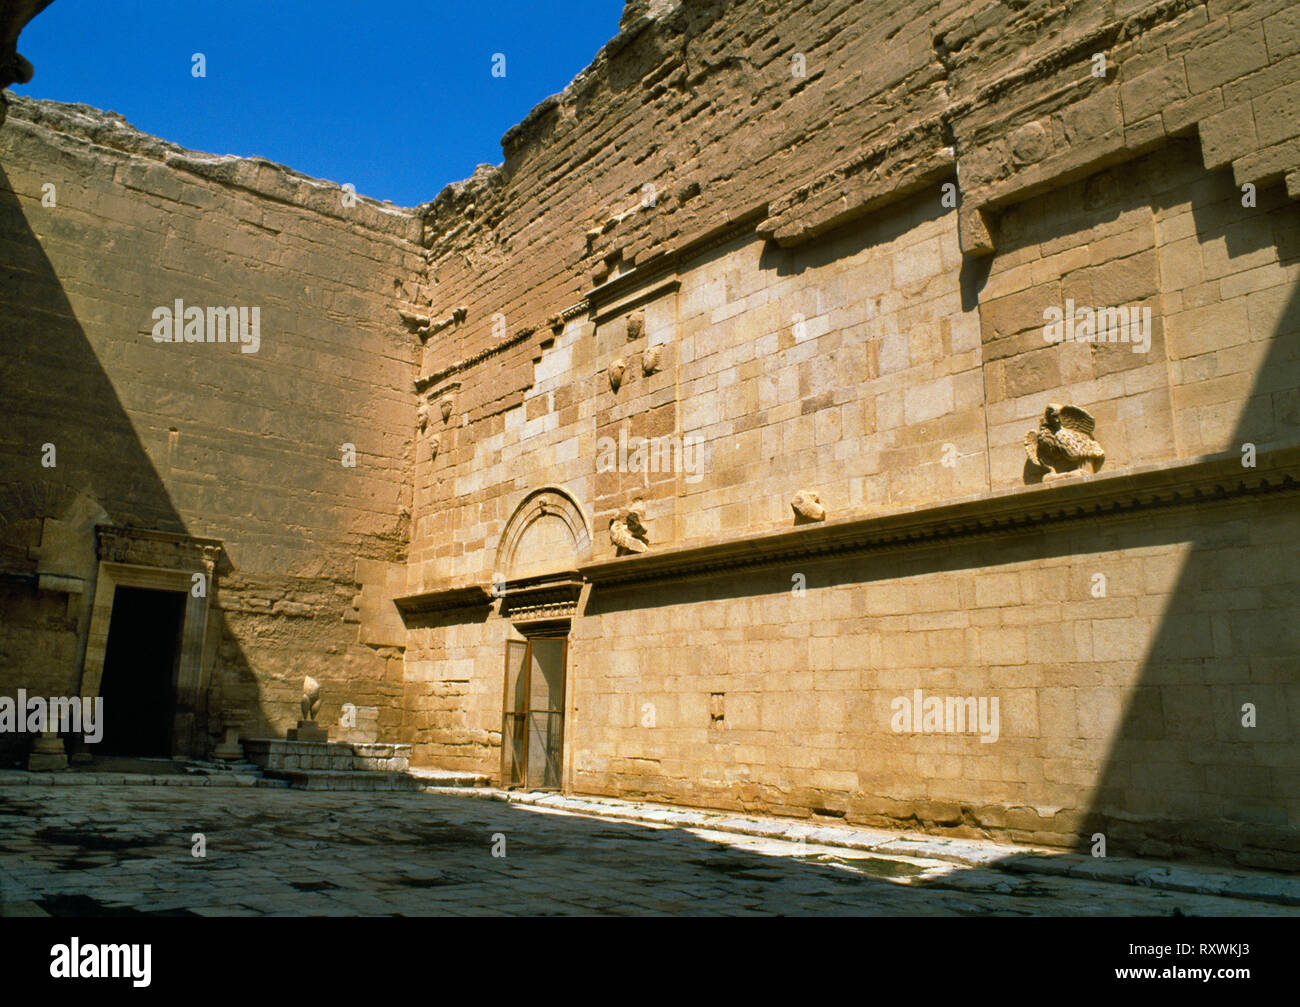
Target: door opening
[[140, 664], [532, 723]]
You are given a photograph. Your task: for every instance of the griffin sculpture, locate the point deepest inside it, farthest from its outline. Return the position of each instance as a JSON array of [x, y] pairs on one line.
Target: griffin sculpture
[[1063, 442]]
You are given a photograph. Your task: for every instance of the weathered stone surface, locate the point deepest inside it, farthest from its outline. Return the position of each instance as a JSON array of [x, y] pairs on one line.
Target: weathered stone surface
[[834, 242]]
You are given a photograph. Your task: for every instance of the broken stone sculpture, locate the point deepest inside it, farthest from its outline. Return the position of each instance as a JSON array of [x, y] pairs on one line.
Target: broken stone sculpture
[[1063, 443], [434, 444], [310, 698], [444, 407], [635, 325], [627, 531], [807, 506], [422, 416], [308, 729], [650, 359], [616, 370], [232, 722]]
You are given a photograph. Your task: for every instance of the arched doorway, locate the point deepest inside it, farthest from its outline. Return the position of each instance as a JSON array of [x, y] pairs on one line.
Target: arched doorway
[[543, 543]]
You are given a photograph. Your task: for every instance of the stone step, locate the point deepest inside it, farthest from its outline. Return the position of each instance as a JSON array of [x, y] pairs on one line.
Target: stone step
[[360, 779], [432, 777], [276, 754]]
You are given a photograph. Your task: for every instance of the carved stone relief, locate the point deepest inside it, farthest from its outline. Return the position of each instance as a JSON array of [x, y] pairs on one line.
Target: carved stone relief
[[807, 506], [627, 530], [1062, 444]]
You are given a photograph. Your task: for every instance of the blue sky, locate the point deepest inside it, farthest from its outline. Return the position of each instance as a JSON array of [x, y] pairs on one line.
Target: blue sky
[[395, 96]]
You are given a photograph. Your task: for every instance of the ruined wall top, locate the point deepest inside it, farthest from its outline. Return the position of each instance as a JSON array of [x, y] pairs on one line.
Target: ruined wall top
[[110, 132], [801, 118]]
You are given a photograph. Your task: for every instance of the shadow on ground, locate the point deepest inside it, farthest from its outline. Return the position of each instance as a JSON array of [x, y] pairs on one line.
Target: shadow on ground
[[102, 850]]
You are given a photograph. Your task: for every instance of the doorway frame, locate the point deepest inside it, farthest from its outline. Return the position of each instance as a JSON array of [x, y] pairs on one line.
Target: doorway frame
[[159, 561], [548, 633]]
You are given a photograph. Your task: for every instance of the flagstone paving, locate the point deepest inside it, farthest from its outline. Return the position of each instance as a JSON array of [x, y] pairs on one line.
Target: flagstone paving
[[125, 850]]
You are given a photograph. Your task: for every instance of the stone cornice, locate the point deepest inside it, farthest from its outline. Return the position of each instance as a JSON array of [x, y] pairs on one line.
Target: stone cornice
[[451, 369], [437, 601], [1210, 479], [541, 599]]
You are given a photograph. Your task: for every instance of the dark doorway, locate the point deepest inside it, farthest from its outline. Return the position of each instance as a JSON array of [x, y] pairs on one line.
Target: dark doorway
[[140, 664]]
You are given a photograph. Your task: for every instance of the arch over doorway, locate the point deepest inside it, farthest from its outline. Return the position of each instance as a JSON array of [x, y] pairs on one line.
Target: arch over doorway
[[547, 533]]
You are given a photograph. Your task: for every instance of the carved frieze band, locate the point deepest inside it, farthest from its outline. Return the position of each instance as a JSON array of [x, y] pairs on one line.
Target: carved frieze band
[[157, 549]]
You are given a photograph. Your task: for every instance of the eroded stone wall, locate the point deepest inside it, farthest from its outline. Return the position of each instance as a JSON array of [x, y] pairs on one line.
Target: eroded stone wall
[[102, 225]]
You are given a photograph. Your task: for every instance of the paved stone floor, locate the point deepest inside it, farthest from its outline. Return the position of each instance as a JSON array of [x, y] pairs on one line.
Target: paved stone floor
[[113, 850]]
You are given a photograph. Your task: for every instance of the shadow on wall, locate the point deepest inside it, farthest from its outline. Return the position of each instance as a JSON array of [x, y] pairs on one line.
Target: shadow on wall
[[55, 392], [1182, 775], [1229, 636]]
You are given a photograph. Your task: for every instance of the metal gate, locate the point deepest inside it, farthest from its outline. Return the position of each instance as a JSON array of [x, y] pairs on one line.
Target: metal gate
[[532, 723]]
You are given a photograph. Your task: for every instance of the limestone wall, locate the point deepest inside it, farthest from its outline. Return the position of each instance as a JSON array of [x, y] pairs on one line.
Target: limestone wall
[[702, 110], [202, 438], [826, 244], [1119, 713]]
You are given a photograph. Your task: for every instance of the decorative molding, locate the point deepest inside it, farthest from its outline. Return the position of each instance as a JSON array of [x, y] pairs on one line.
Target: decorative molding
[[553, 598], [545, 501], [472, 596], [628, 291], [163, 550], [500, 347], [1208, 480]]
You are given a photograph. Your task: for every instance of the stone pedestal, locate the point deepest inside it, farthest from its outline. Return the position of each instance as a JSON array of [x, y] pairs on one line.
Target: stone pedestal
[[279, 754], [230, 750], [48, 754], [307, 730]]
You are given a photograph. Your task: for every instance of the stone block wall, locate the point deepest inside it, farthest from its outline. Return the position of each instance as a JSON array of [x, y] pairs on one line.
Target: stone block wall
[[709, 117], [807, 247], [1118, 712], [1163, 234], [101, 225], [841, 282]]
